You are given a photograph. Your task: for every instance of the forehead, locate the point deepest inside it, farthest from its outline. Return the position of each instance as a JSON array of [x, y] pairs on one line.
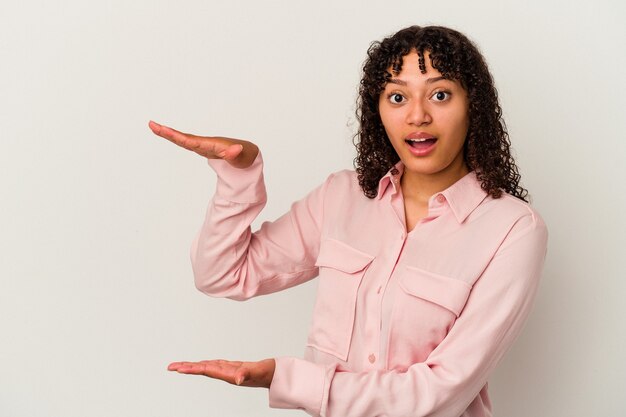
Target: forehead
[[413, 70], [416, 67], [413, 63]]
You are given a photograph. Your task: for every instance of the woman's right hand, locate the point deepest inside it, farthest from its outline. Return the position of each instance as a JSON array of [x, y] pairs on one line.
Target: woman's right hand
[[239, 153]]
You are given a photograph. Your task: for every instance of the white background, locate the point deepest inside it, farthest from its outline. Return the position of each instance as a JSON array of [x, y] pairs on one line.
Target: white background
[[97, 213]]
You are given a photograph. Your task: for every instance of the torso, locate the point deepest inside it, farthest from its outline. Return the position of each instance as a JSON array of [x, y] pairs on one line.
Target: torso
[[413, 213]]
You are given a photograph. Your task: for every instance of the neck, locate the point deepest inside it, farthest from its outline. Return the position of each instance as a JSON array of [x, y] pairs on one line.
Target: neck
[[420, 187]]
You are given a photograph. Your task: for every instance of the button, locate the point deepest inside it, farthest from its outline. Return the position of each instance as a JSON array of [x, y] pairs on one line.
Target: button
[[372, 358], [441, 198]]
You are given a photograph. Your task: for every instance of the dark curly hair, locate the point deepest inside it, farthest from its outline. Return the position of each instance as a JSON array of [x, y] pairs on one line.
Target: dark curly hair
[[487, 146]]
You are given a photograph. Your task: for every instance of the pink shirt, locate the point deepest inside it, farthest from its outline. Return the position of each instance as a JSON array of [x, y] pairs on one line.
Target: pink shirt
[[405, 324]]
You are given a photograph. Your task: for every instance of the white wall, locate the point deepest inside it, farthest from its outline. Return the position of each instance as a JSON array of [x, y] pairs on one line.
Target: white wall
[[97, 214]]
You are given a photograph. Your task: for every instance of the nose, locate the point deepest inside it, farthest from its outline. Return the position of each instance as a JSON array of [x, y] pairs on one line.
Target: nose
[[418, 114]]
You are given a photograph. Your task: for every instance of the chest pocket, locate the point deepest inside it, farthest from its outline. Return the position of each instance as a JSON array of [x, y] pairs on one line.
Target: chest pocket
[[425, 307], [449, 293], [341, 269]]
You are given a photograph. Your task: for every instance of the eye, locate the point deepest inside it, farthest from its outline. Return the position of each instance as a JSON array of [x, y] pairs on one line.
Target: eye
[[396, 98], [441, 96]]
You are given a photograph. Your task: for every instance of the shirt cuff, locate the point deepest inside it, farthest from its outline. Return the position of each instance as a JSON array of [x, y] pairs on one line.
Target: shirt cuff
[[298, 384], [239, 185]]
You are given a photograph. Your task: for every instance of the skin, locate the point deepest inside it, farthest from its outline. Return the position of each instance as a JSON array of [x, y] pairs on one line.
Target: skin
[[247, 374], [239, 153], [415, 102], [411, 104]]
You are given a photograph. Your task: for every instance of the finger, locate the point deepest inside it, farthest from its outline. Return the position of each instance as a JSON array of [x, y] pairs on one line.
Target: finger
[[154, 126], [195, 368], [175, 365], [207, 146], [192, 368], [211, 369], [233, 372], [185, 140]]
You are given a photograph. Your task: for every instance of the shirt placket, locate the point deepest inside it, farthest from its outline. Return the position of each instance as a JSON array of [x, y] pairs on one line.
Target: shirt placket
[[374, 348], [394, 252]]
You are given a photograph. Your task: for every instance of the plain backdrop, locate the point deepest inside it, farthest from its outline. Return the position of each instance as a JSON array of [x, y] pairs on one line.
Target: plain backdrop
[[97, 214]]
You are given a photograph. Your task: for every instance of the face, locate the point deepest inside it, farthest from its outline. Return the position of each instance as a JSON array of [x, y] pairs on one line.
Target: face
[[426, 119]]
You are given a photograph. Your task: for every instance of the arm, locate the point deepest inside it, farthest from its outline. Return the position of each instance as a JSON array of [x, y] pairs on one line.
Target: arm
[[230, 261], [455, 371]]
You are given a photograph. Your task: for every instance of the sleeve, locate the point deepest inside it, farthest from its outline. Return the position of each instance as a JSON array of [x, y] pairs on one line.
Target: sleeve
[[456, 370], [228, 260]]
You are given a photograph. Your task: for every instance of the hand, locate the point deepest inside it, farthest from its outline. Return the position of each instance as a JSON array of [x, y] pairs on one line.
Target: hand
[[248, 374], [238, 153]]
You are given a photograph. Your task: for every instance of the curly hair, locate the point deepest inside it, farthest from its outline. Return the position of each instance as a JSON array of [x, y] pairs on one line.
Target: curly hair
[[486, 149]]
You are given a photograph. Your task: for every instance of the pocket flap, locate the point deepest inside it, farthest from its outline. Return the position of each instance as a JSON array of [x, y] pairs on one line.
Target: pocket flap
[[447, 292], [338, 255]]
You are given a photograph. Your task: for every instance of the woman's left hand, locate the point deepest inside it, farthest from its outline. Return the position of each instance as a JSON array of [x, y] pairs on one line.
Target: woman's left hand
[[248, 374]]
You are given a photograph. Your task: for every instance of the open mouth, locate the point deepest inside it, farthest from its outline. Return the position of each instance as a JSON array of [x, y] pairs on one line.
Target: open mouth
[[421, 144]]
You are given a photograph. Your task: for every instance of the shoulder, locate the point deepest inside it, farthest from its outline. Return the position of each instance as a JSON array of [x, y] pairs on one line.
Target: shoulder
[[522, 219], [345, 180], [526, 212], [342, 192]]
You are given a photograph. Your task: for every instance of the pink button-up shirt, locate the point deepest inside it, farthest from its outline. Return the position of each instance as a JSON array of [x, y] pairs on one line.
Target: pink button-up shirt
[[405, 324]]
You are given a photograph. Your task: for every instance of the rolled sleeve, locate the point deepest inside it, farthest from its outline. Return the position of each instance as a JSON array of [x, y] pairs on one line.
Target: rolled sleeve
[[299, 384], [229, 260], [239, 185]]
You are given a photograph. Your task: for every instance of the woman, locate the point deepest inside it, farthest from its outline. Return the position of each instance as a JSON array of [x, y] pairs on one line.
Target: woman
[[428, 255]]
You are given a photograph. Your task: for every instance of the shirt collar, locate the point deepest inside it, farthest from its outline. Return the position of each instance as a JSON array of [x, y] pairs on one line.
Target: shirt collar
[[391, 177], [463, 196]]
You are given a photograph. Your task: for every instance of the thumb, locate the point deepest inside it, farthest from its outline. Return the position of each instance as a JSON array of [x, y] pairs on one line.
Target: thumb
[[231, 152], [241, 376]]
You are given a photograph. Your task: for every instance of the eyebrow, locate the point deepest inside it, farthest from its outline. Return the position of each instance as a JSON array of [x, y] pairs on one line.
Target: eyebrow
[[403, 83], [432, 80], [396, 81]]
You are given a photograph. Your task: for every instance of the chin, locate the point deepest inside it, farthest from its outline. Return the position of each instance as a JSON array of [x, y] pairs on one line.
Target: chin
[[423, 167]]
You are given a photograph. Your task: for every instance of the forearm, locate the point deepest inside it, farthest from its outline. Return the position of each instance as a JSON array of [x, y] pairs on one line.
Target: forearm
[[230, 261], [218, 252]]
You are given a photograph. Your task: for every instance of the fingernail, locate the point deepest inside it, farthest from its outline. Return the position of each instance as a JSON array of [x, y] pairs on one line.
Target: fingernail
[[239, 380], [154, 125]]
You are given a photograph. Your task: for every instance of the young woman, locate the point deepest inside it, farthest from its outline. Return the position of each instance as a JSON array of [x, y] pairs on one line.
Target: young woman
[[428, 255]]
